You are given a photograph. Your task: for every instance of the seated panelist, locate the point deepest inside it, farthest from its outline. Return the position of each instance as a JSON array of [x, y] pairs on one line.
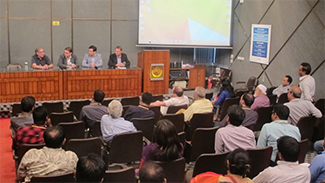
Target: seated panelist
[[92, 59], [67, 60], [40, 60], [118, 59]]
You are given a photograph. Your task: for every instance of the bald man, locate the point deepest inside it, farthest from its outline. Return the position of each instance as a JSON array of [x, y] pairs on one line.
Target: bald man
[[299, 107], [178, 99]]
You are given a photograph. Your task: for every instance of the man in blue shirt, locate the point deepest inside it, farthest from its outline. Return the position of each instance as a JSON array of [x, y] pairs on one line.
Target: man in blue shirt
[[92, 59], [317, 167]]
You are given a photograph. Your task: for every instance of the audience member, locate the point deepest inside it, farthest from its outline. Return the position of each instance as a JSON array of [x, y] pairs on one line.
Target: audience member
[[246, 100], [300, 107], [306, 82], [32, 134], [165, 145], [118, 59], [92, 59], [234, 135], [317, 167], [237, 165], [112, 123], [151, 172], [89, 114], [40, 60], [90, 168], [261, 100], [178, 99], [142, 110], [284, 87], [279, 127], [67, 60], [25, 118], [50, 160], [200, 105], [226, 91], [288, 168]]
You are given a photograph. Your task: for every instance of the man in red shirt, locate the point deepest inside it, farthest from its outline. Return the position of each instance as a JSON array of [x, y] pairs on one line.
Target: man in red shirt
[[32, 134]]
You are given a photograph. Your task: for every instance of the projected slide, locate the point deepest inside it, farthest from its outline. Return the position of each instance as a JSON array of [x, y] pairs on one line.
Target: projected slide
[[185, 22]]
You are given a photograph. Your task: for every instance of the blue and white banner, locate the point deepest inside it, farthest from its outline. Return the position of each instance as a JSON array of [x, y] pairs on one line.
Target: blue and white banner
[[260, 43]]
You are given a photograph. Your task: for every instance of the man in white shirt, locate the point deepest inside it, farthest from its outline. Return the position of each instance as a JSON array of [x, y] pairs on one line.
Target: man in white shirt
[[288, 168], [306, 82], [284, 87], [178, 99]]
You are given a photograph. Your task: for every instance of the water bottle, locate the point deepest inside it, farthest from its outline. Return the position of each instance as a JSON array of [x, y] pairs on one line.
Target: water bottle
[[26, 66]]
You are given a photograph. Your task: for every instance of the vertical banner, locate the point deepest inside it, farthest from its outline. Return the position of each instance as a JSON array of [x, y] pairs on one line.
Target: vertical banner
[[260, 43]]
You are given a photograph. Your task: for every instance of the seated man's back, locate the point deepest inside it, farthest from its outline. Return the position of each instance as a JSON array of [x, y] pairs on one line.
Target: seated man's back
[[141, 111]]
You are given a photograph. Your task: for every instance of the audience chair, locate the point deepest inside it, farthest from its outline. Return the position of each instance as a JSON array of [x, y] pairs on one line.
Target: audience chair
[[126, 148], [53, 107], [269, 91], [283, 98], [260, 159], [208, 96], [20, 152], [122, 175], [156, 110], [67, 177], [58, 117], [174, 109], [125, 108], [202, 142], [174, 170], [130, 101], [240, 93], [306, 127], [16, 109], [246, 86], [264, 116], [272, 99], [146, 125], [95, 130], [211, 162], [76, 106], [73, 130], [176, 119], [106, 102], [82, 147], [226, 104], [158, 97], [13, 67], [303, 146], [320, 104], [199, 120], [319, 129], [182, 137]]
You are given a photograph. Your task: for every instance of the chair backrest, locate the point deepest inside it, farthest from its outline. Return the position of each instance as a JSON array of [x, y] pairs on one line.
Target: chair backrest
[[226, 104], [120, 175], [125, 108], [208, 96], [95, 130], [264, 116], [176, 119], [306, 127], [158, 97], [20, 152], [156, 110], [272, 99], [283, 98], [174, 170], [73, 130], [174, 109], [320, 104], [182, 138], [251, 83], [146, 125], [320, 129], [13, 66], [53, 106], [130, 101], [203, 142], [106, 102], [76, 106], [211, 162], [82, 147], [67, 177], [260, 159], [269, 91], [58, 117], [126, 147], [226, 74], [16, 108], [303, 148], [199, 120]]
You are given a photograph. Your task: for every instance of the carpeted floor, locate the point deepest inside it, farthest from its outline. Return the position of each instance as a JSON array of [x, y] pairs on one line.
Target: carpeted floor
[[7, 164]]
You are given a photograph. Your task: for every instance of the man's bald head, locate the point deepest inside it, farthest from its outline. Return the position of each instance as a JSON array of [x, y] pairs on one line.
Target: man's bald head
[[294, 92], [54, 137], [178, 91]]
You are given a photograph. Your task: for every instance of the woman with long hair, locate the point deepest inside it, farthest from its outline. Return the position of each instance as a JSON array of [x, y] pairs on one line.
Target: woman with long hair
[[237, 165], [165, 145]]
